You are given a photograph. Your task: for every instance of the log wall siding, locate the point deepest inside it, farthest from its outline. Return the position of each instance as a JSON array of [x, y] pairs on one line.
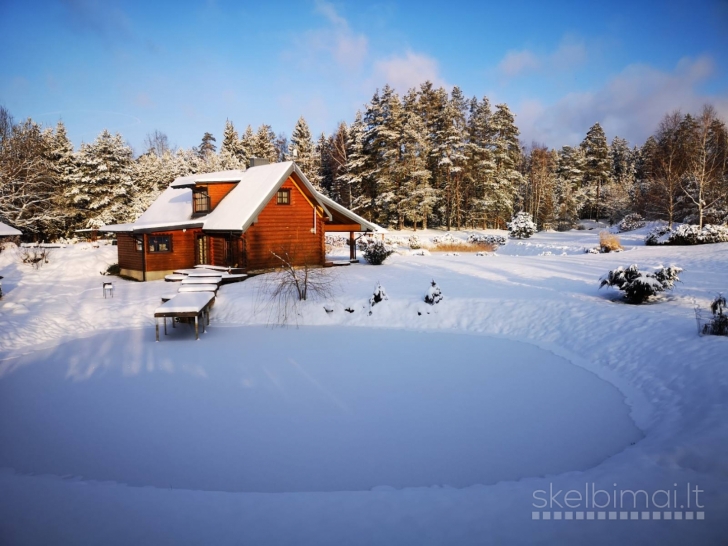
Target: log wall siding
[[129, 256], [285, 228], [182, 255], [217, 192]]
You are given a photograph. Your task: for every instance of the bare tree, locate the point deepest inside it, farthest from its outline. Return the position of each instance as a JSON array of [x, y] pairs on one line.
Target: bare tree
[[157, 143], [704, 183], [284, 288]]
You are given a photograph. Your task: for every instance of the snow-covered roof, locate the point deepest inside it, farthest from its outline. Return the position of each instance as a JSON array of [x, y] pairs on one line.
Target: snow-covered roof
[[238, 209], [7, 231], [245, 201], [355, 218], [234, 175]]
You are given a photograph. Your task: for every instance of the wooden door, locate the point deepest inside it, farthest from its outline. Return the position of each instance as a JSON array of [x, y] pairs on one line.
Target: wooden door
[[202, 250]]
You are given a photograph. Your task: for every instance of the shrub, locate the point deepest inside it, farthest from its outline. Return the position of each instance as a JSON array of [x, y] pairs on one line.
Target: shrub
[[717, 324], [36, 256], [378, 296], [446, 239], [377, 252], [687, 235], [336, 241], [113, 269], [631, 222], [487, 240], [522, 226], [637, 286], [414, 242], [609, 242], [434, 294]]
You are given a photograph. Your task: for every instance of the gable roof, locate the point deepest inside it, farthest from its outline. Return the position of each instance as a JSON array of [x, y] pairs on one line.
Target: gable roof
[[7, 231], [238, 210]]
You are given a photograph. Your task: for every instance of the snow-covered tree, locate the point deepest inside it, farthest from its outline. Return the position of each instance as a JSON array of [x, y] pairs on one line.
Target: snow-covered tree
[[262, 144], [434, 294], [102, 188], [598, 167], [206, 145], [522, 226], [232, 154], [302, 150], [506, 149]]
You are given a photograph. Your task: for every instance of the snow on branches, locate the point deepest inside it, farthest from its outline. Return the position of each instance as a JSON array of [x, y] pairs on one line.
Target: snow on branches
[[522, 226], [434, 294], [638, 286]]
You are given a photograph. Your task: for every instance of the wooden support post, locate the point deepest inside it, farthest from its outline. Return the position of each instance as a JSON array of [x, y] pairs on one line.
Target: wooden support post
[[197, 330], [165, 326], [352, 246], [156, 327]]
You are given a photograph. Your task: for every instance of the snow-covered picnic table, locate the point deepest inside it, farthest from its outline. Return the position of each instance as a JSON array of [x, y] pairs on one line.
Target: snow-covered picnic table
[[186, 305]]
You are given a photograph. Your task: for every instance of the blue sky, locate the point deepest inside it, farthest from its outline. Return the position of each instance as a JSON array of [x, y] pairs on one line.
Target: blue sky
[[185, 67]]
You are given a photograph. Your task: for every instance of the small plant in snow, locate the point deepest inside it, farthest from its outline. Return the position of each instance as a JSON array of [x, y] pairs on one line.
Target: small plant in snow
[[378, 296], [414, 242], [35, 256], [377, 252], [687, 235], [637, 286], [631, 222], [717, 323], [521, 226], [434, 294], [445, 239]]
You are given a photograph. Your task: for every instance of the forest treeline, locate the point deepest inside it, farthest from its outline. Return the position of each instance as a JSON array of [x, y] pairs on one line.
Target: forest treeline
[[426, 159]]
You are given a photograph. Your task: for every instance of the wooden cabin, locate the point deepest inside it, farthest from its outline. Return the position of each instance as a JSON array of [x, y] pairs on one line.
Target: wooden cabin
[[237, 219]]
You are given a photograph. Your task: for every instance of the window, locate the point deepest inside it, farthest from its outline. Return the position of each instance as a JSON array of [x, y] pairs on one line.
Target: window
[[160, 243], [284, 197], [200, 200], [139, 245]]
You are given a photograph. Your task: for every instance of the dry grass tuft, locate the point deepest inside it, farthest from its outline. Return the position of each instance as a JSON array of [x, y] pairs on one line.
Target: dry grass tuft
[[609, 242], [462, 247]]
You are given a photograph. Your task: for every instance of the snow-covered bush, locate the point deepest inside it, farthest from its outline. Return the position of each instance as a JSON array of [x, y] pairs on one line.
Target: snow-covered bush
[[717, 324], [487, 240], [638, 286], [434, 294], [609, 242], [35, 256], [445, 239], [364, 242], [414, 242], [631, 222], [377, 252], [336, 241], [522, 226], [687, 235], [378, 296], [394, 240], [713, 321]]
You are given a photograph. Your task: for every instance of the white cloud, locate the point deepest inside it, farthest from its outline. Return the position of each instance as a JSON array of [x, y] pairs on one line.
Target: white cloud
[[571, 53], [516, 62], [406, 71], [630, 105], [337, 41]]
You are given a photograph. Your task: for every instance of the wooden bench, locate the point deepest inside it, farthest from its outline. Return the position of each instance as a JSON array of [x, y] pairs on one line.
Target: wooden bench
[[186, 305]]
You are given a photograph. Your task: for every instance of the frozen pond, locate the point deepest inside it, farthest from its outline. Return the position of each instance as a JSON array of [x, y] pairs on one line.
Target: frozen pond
[[309, 409]]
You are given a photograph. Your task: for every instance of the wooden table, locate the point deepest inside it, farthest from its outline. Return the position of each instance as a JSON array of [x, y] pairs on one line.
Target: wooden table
[[186, 305]]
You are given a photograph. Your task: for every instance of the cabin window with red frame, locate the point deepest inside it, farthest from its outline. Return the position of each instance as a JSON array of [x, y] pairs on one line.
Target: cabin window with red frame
[[283, 197], [160, 243]]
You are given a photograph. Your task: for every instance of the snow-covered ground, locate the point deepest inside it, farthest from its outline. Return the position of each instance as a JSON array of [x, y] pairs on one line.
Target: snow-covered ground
[[414, 424]]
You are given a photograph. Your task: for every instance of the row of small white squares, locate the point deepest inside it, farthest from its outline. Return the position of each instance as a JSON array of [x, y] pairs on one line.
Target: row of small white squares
[[618, 515]]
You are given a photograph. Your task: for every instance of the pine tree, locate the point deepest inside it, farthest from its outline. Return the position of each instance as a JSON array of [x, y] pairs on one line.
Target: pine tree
[[102, 187], [231, 151], [207, 146], [506, 150], [480, 167], [263, 144], [569, 177], [301, 150], [597, 173]]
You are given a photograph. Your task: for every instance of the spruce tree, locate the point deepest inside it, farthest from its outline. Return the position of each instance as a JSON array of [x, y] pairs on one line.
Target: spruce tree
[[102, 186], [598, 166], [301, 150]]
